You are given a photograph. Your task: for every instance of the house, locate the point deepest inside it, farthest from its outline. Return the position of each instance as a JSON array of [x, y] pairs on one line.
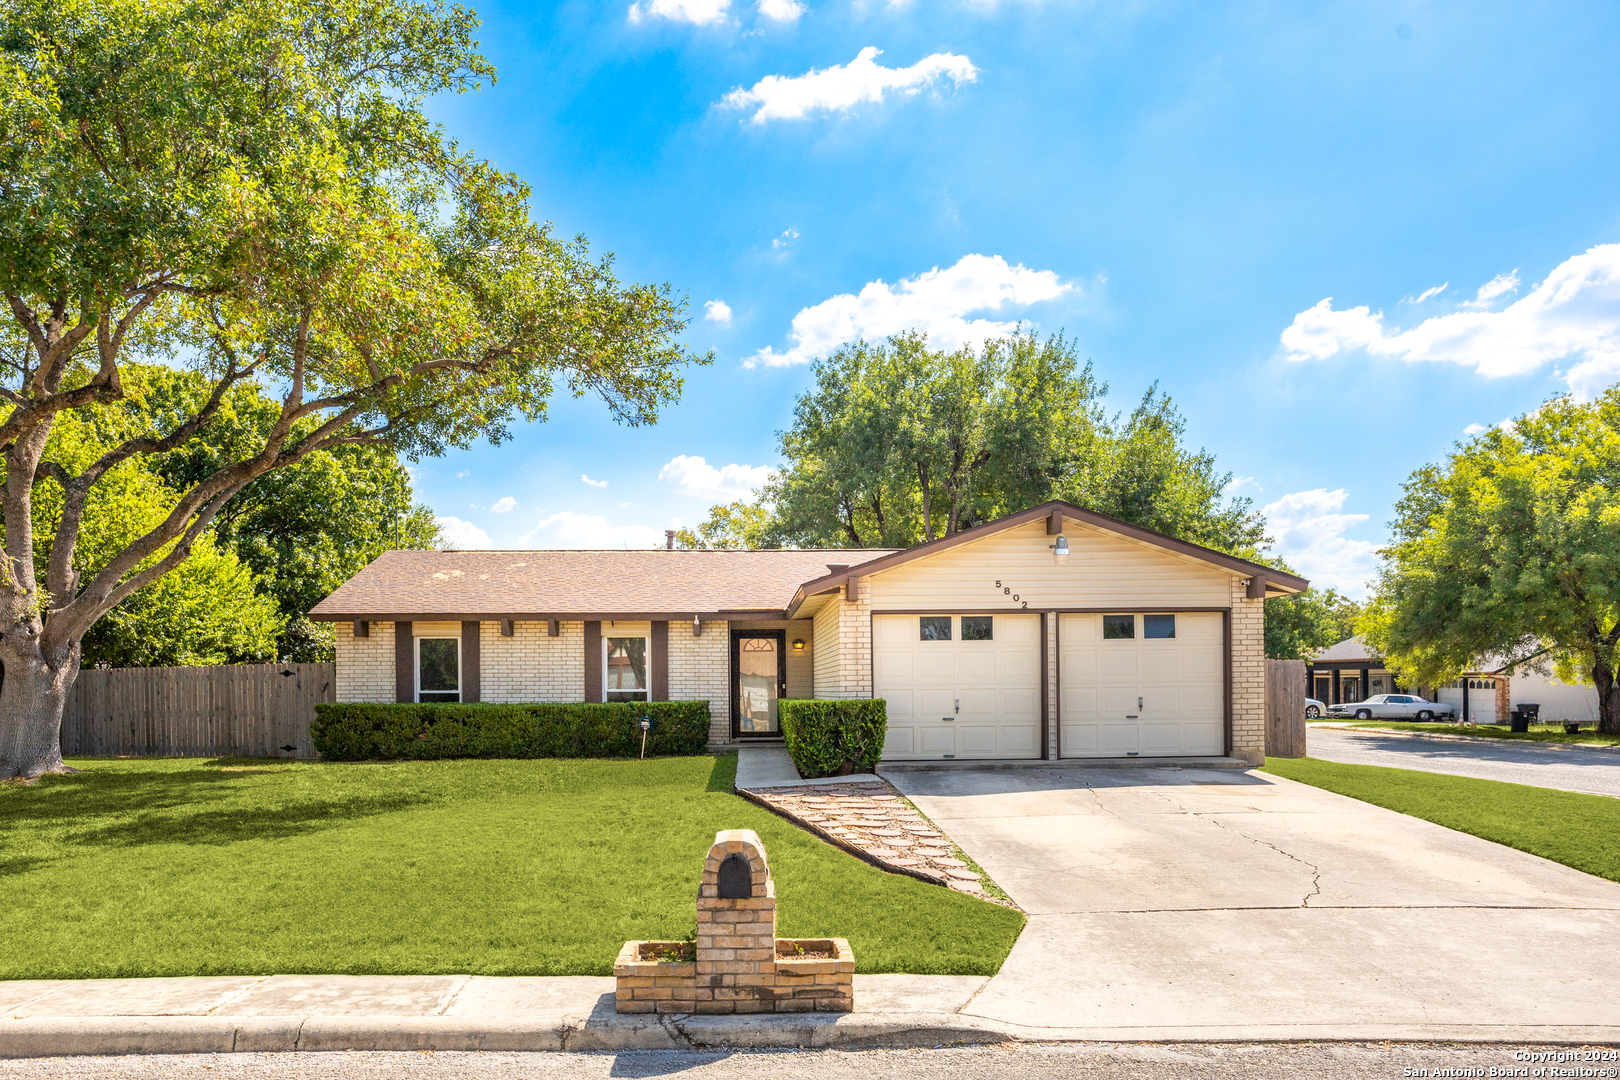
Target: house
[[1351, 671], [1055, 632]]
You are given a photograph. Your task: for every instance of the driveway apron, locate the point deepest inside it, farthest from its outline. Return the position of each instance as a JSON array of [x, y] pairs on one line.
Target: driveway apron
[[1189, 903]]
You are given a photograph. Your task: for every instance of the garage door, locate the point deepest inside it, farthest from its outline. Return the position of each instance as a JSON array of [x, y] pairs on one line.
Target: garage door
[[1140, 684], [962, 686]]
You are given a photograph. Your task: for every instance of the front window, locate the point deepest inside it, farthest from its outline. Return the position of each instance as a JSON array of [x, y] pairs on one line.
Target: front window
[[624, 669], [438, 669]]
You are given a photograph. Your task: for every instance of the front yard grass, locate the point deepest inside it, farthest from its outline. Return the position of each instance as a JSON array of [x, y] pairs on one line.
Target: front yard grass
[[216, 867], [1553, 733], [1582, 831]]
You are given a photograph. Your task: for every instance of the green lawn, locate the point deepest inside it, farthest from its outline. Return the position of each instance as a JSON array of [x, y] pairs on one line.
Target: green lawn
[[194, 867], [1537, 733], [1582, 831]]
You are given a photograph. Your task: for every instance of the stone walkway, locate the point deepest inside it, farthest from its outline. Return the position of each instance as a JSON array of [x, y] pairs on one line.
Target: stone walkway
[[872, 820]]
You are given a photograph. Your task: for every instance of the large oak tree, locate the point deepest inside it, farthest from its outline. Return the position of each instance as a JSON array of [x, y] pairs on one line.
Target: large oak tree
[[1509, 554], [250, 189]]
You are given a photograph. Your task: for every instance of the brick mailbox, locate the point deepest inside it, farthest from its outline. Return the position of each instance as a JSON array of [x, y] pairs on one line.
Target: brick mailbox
[[737, 964]]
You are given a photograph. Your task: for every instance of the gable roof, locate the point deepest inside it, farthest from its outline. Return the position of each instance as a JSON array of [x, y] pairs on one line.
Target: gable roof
[[1351, 648], [574, 584], [1278, 582]]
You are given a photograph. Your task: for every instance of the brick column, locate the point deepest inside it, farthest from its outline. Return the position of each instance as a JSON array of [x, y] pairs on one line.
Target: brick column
[[736, 936], [1248, 648]]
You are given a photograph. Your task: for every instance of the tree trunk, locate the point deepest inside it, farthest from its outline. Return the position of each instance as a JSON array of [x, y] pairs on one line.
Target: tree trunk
[[1608, 695], [33, 697]]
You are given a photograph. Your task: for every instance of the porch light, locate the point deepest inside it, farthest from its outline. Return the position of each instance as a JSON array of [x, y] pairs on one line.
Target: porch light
[[1060, 550], [697, 626], [798, 644]]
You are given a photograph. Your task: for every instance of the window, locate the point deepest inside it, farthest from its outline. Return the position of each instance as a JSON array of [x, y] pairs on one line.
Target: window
[[977, 627], [624, 669], [1158, 626], [934, 628], [438, 669], [1119, 626]]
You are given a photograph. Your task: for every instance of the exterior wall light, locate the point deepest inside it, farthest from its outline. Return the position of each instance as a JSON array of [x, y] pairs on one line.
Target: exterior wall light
[[697, 626], [798, 644], [1060, 550]]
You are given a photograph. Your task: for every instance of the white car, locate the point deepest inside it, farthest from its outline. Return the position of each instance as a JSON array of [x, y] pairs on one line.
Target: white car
[[1314, 709], [1395, 707]]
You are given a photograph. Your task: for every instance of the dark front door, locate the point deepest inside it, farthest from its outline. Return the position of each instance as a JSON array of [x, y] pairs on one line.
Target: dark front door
[[758, 681]]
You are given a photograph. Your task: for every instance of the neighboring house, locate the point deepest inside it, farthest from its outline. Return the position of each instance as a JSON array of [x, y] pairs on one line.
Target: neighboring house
[[1350, 672], [1053, 632]]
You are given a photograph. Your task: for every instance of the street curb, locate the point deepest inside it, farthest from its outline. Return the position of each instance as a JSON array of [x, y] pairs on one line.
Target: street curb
[[1476, 740], [80, 1036], [75, 1036]]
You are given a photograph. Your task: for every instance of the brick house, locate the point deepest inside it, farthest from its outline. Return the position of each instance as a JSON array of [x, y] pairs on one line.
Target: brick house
[[1055, 632]]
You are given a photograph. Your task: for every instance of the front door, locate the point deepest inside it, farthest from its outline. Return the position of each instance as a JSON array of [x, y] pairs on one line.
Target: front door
[[758, 681]]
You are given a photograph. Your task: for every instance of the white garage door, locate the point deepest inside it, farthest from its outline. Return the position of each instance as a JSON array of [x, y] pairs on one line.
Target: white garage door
[[1140, 684], [963, 686]]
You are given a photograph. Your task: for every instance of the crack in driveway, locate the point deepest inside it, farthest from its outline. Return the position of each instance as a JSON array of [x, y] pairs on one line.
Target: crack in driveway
[[1316, 871]]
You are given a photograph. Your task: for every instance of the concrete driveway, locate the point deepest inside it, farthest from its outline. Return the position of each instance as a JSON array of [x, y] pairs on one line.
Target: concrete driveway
[[1567, 768], [1199, 904]]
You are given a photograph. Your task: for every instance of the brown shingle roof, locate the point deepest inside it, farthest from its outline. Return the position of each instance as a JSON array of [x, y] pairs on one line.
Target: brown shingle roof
[[573, 584]]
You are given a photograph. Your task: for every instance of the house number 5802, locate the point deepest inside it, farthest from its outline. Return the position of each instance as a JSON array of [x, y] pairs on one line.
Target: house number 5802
[[1006, 590]]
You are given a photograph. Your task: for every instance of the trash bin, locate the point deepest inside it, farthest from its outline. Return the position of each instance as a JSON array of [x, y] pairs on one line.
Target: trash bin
[[1518, 721], [1530, 711]]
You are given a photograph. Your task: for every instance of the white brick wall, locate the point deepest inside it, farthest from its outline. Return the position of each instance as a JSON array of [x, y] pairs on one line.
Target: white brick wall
[[531, 665], [1248, 675], [365, 666], [700, 670], [854, 643], [1052, 724]]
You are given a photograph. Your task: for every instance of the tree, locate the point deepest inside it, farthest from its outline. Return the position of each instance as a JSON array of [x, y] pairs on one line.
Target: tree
[[740, 524], [250, 190], [1299, 626], [1509, 553]]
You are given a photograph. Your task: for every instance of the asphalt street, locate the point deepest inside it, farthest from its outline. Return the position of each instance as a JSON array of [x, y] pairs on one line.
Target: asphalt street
[[1595, 772], [1006, 1061]]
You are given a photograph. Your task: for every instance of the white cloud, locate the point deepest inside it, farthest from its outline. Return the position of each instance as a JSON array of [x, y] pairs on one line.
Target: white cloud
[[593, 483], [1573, 315], [695, 477], [568, 529], [1238, 482], [1427, 294], [840, 88], [462, 534], [504, 506], [696, 12], [781, 10], [788, 236], [717, 311], [1309, 531], [1475, 429], [937, 303], [1488, 292]]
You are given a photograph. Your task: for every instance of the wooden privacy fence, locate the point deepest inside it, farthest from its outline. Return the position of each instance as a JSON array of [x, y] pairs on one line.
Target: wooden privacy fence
[[1285, 708], [228, 710]]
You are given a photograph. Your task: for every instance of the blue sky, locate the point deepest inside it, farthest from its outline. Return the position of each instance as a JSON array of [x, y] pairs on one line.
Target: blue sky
[[1179, 187]]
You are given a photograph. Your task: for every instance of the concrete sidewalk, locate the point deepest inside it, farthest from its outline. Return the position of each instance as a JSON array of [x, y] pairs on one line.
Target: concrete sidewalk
[[446, 1012]]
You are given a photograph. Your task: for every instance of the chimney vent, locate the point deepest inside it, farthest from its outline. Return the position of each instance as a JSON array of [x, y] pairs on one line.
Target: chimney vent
[[837, 567], [669, 539]]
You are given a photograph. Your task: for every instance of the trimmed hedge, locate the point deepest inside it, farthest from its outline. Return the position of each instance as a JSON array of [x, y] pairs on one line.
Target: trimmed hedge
[[834, 738], [362, 732]]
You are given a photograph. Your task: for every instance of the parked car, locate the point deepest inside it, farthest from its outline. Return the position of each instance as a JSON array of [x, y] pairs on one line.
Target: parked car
[[1314, 709], [1394, 707]]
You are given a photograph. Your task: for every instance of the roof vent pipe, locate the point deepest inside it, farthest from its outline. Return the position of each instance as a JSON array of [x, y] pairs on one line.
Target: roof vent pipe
[[669, 539]]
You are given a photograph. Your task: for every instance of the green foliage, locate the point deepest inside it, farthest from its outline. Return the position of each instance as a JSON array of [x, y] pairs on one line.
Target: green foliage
[[187, 866], [1567, 827], [1299, 626], [898, 444], [834, 738], [428, 732], [1509, 553]]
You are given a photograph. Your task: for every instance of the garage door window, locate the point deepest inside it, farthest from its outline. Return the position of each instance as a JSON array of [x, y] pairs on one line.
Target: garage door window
[[1119, 626], [934, 628], [978, 628], [1159, 626]]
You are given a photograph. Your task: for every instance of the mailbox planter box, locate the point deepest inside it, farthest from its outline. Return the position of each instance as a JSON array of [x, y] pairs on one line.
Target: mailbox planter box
[[739, 965]]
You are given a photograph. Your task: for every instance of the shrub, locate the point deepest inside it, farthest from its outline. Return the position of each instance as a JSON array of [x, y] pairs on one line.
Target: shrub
[[360, 732], [834, 738]]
